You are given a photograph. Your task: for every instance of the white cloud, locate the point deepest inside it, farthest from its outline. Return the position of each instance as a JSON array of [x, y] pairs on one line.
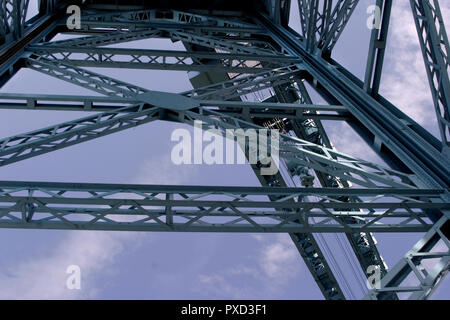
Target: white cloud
[[163, 171], [404, 80], [95, 252], [279, 260], [45, 277], [276, 265]]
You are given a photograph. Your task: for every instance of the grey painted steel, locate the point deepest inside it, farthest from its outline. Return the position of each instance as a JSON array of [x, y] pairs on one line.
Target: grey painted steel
[[404, 143], [162, 59], [305, 243], [235, 209], [426, 276], [436, 54], [377, 48], [394, 200]]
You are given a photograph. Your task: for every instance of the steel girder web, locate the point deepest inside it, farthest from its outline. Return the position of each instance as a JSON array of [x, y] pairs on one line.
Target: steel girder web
[[207, 36], [98, 30], [213, 35], [31, 144], [100, 37], [361, 172], [84, 78]]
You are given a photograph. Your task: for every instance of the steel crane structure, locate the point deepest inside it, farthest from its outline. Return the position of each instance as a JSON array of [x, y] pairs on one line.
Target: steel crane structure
[[233, 50]]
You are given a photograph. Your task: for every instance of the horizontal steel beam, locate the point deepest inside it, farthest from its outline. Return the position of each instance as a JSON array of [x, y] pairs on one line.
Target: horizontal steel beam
[[162, 59], [231, 108], [164, 16], [48, 205]]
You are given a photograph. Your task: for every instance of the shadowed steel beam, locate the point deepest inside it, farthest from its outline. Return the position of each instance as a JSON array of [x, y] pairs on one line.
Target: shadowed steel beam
[[106, 38], [164, 15], [98, 37], [177, 34], [162, 59], [338, 19], [217, 43], [377, 48], [106, 27], [13, 50], [322, 24], [436, 54], [311, 20], [231, 108]]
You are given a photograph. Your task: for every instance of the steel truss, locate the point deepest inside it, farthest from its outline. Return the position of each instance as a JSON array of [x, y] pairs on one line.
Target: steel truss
[[253, 54], [12, 19], [162, 60], [436, 50], [234, 209]]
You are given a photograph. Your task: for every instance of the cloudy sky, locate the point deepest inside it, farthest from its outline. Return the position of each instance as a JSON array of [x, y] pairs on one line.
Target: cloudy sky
[[124, 265]]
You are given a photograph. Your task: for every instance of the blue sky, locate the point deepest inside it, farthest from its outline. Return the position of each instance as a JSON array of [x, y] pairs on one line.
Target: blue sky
[[124, 265]]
